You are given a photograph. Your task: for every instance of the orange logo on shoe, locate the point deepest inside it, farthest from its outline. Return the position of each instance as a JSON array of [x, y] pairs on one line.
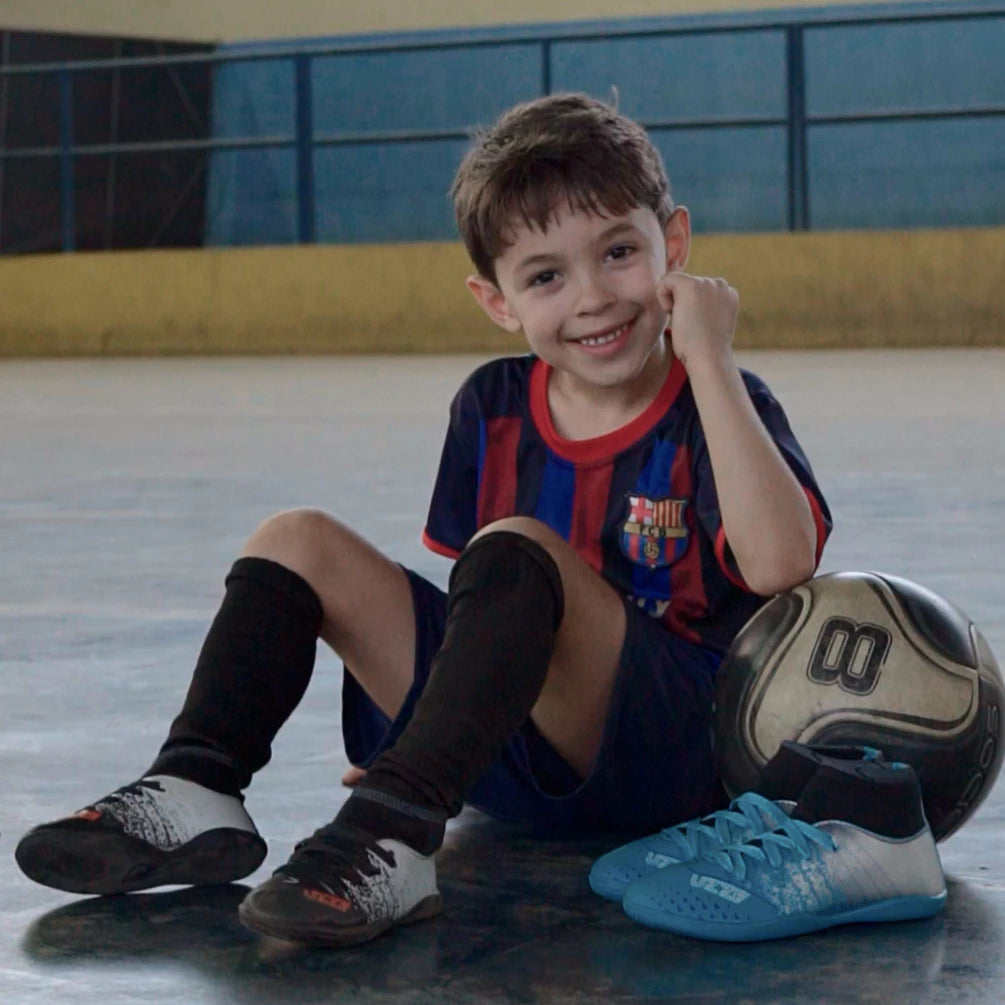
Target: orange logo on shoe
[[329, 900], [89, 815]]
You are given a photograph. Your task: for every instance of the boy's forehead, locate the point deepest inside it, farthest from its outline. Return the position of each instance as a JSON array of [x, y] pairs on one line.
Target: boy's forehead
[[522, 233]]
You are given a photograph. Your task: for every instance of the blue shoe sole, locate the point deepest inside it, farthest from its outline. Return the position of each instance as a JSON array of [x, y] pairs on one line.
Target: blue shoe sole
[[608, 890], [783, 927]]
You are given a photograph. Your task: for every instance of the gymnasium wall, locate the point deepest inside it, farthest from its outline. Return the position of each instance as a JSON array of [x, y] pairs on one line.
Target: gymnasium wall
[[810, 290], [678, 77], [391, 278]]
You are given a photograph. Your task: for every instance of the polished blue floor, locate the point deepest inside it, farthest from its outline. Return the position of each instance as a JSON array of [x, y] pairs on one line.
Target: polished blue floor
[[126, 488]]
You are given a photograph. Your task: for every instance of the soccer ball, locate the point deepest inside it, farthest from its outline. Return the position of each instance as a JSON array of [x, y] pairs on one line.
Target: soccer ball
[[871, 659]]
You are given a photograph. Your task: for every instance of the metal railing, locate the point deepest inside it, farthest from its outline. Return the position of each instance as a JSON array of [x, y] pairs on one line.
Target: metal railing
[[304, 140]]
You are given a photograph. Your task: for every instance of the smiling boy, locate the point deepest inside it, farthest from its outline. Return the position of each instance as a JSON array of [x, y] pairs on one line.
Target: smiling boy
[[619, 502]]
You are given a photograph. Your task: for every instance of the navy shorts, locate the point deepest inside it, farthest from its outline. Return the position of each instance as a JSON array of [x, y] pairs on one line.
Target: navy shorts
[[655, 765]]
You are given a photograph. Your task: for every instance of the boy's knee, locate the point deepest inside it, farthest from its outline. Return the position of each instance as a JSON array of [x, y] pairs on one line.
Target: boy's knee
[[296, 525], [503, 555], [300, 539], [525, 526]]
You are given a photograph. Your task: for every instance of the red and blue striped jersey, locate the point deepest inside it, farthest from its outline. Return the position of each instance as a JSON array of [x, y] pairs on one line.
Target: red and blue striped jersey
[[638, 504]]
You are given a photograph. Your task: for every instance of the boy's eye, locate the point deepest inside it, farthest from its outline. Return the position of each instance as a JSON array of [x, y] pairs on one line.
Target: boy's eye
[[542, 278], [620, 251]]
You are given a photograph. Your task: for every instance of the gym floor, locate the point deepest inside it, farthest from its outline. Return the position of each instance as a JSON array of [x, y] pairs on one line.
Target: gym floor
[[129, 485]]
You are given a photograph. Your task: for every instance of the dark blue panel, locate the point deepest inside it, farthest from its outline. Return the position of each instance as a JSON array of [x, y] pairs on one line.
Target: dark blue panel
[[387, 191], [723, 76], [252, 197], [908, 174], [251, 194], [558, 492], [900, 67], [733, 179], [253, 99], [730, 179], [438, 89]]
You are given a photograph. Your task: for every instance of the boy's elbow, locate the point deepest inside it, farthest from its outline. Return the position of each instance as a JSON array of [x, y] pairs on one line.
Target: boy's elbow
[[781, 574]]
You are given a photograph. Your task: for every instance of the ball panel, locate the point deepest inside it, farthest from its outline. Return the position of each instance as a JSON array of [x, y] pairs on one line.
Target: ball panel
[[944, 626], [866, 664], [762, 634]]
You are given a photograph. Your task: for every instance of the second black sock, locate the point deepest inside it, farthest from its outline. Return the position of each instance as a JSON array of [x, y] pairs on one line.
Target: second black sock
[[505, 604]]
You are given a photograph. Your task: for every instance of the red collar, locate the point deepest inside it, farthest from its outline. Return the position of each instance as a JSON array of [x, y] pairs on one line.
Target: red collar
[[600, 448]]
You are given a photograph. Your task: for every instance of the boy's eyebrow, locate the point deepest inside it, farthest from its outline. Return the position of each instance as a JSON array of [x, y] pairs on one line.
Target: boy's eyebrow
[[615, 229], [546, 258]]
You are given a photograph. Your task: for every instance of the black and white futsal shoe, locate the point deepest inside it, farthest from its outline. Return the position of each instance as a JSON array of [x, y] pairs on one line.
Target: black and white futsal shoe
[[341, 887], [158, 831]]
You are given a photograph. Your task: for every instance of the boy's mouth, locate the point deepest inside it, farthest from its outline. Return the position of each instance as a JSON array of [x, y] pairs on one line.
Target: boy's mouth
[[605, 338]]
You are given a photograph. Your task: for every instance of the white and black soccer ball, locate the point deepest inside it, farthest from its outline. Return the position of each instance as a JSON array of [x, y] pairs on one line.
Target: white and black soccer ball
[[872, 659]]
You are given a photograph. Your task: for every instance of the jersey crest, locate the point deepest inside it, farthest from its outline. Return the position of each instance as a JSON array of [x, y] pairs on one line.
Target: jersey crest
[[654, 535]]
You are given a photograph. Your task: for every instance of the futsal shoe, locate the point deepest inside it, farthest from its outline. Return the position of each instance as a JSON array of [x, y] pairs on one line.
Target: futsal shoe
[[158, 831], [856, 848], [782, 780], [341, 887]]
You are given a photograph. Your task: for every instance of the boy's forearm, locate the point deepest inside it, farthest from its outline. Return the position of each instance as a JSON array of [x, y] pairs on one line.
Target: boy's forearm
[[765, 513]]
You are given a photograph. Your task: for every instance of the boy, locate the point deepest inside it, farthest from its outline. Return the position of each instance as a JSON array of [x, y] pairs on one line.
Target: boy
[[619, 503]]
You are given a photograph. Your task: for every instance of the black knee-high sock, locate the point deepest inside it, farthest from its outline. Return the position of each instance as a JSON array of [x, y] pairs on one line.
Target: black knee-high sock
[[505, 604], [252, 671]]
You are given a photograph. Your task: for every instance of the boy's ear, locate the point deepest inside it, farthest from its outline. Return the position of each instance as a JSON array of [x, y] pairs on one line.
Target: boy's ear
[[491, 300], [677, 234]]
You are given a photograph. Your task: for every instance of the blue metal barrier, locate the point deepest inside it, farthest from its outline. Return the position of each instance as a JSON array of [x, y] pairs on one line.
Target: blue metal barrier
[[305, 140]]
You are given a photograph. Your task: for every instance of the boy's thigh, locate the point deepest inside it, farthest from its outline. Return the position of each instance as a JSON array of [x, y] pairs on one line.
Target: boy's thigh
[[367, 728], [374, 632]]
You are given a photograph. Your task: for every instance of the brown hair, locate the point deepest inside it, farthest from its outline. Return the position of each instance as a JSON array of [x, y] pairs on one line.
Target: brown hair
[[567, 147]]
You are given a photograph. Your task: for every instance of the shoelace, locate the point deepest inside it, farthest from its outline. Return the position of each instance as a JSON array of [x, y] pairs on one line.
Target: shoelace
[[332, 853], [791, 837], [746, 815]]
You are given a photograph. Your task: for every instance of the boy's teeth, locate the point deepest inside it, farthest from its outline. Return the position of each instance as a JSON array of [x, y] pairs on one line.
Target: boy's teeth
[[604, 339]]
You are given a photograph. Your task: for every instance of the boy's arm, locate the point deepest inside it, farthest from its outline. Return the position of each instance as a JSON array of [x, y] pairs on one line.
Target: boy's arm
[[766, 516]]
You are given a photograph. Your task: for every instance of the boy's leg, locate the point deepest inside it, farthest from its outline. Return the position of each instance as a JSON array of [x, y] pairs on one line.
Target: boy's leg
[[301, 573], [531, 631], [571, 710], [544, 643]]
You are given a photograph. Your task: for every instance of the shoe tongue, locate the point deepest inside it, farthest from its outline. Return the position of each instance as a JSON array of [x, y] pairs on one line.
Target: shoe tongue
[[788, 772], [882, 798]]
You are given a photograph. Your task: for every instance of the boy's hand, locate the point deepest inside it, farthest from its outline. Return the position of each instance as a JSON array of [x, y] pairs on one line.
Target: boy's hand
[[702, 315]]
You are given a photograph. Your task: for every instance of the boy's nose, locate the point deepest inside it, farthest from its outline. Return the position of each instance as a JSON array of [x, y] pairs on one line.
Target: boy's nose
[[595, 294]]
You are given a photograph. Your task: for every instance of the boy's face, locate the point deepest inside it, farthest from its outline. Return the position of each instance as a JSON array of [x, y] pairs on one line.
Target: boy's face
[[584, 291]]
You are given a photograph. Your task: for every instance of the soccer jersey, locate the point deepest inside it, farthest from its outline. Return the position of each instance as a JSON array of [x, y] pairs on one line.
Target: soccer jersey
[[638, 504]]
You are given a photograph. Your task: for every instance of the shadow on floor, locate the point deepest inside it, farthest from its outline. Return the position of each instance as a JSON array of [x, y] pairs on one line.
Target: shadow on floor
[[520, 925]]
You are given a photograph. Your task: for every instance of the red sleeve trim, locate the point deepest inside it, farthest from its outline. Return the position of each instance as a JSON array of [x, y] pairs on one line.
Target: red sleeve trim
[[821, 524], [440, 549], [720, 553]]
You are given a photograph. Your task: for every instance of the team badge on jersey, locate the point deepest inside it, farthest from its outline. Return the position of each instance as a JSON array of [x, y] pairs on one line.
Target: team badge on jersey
[[654, 535]]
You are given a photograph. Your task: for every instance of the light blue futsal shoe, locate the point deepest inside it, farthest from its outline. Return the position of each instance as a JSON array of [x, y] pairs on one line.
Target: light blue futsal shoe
[[782, 780], [746, 816], [857, 848]]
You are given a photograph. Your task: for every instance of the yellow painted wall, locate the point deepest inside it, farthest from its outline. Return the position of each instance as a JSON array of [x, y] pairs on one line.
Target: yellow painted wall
[[236, 20], [910, 288]]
